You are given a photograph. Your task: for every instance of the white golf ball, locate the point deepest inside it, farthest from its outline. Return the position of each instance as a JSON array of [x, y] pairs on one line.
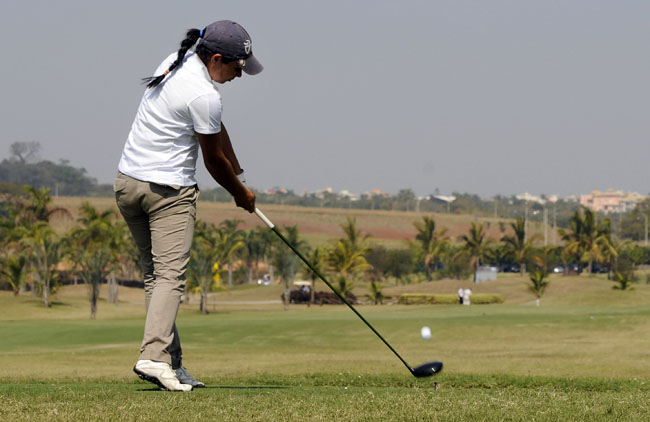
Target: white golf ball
[[425, 332]]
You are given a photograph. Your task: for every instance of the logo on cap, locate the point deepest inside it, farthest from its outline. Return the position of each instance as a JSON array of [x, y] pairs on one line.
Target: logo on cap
[[247, 46]]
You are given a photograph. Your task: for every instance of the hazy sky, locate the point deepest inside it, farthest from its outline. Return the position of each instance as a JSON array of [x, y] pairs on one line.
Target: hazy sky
[[477, 96]]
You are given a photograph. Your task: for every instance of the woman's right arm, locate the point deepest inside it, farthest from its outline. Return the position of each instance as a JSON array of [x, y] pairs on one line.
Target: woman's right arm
[[216, 148]]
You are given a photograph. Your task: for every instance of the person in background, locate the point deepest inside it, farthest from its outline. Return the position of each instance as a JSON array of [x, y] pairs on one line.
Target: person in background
[[466, 296]]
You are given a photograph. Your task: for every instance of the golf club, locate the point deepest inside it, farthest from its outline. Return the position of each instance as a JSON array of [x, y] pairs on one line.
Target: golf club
[[424, 370]]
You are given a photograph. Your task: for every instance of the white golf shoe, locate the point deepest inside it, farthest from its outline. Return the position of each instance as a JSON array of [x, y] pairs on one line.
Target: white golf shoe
[[161, 374], [185, 378]]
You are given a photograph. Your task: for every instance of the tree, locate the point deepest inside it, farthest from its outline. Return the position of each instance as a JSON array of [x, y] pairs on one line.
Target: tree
[[376, 294], [230, 227], [476, 245], [253, 250], [404, 199], [611, 250], [45, 252], [317, 259], [347, 257], [429, 243], [624, 280], [37, 207], [14, 269], [517, 245], [586, 238], [285, 260], [93, 248], [210, 246], [24, 152], [633, 224], [539, 283]]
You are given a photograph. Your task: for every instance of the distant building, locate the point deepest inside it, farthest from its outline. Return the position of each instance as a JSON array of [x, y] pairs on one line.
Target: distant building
[[347, 194], [530, 198], [611, 200], [442, 198]]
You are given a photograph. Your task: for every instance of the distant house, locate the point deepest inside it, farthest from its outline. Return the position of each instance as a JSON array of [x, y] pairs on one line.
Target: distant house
[[611, 200]]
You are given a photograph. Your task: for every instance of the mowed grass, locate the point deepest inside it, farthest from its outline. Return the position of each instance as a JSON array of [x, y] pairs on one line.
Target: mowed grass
[[583, 355]]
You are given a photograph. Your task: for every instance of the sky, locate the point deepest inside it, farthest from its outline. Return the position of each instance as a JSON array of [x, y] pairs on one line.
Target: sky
[[484, 97]]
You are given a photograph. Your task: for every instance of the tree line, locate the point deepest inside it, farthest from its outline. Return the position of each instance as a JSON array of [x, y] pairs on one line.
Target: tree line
[[23, 167], [99, 249]]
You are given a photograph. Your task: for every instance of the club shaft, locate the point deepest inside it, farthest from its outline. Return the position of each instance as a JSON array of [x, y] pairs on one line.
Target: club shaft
[[315, 271]]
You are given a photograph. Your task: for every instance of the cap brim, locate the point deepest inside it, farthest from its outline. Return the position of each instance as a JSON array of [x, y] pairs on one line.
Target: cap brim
[[253, 66]]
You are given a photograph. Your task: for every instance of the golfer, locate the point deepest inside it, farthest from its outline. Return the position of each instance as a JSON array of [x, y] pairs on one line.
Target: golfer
[[156, 190]]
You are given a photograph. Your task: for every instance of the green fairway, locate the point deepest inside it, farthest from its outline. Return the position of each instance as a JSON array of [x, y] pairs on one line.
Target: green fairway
[[585, 361]]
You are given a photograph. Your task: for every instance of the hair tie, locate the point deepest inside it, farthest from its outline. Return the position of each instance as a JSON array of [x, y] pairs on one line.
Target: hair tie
[[166, 72], [201, 33]]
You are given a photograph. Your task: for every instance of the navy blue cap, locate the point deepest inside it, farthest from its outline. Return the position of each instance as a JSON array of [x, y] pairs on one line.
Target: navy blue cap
[[231, 40]]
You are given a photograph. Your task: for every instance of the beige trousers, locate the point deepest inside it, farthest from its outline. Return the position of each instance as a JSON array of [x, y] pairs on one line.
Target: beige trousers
[[161, 219]]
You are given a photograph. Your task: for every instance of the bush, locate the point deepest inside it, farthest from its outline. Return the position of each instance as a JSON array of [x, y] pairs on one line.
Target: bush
[[448, 299]]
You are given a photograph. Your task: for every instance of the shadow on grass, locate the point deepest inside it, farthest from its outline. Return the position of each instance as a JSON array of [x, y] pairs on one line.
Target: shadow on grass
[[222, 387], [247, 387]]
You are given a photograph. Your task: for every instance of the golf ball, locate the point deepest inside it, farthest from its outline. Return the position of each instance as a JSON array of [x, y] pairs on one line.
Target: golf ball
[[425, 332]]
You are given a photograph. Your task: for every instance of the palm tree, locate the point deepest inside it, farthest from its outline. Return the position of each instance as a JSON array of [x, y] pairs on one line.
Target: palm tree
[[347, 256], [376, 294], [586, 238], [317, 259], [14, 269], [539, 283], [38, 207], [348, 263], [477, 245], [210, 246], [624, 280], [253, 250], [266, 240], [285, 260], [45, 252], [94, 249], [234, 234], [429, 243], [517, 245]]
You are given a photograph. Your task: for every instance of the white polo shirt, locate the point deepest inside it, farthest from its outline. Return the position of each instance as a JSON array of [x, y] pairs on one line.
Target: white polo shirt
[[162, 146]]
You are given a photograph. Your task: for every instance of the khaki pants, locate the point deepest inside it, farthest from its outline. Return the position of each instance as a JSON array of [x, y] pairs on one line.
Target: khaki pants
[[161, 220]]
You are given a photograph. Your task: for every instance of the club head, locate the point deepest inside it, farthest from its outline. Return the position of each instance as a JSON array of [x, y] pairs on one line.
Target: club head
[[427, 369]]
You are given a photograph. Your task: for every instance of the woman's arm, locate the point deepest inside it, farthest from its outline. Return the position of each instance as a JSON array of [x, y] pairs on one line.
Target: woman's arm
[[221, 162]]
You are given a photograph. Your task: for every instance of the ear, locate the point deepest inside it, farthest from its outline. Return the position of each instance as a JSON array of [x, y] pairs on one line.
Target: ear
[[215, 58]]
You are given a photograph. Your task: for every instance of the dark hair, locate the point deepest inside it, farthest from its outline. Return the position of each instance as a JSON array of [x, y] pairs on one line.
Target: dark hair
[[190, 39]]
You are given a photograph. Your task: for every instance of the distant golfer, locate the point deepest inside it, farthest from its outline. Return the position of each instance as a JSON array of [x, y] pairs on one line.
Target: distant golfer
[[156, 190]]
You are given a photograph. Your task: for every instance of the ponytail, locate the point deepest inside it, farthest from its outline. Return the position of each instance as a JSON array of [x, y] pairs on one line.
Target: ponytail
[[190, 39]]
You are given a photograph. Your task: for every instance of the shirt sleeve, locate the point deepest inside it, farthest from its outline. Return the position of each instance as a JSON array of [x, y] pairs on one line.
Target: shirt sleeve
[[206, 114]]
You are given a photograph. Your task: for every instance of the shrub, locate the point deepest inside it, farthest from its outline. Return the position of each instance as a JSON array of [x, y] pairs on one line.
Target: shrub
[[448, 299]]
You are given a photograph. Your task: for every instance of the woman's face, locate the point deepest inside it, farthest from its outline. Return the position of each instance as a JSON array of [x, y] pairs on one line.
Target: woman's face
[[221, 72]]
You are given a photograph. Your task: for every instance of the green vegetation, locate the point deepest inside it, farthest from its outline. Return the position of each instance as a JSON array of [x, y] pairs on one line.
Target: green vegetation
[[447, 299], [502, 362]]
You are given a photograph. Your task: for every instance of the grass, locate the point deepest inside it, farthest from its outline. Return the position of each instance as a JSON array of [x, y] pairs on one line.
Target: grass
[[332, 398], [582, 355]]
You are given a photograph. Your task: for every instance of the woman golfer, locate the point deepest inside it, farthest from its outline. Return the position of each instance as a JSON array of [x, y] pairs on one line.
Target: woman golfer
[[156, 190]]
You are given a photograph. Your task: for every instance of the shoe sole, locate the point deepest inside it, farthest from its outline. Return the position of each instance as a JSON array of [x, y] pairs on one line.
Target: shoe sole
[[151, 379]]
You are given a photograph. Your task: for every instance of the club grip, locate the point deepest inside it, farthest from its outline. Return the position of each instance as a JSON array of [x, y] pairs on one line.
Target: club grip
[[263, 218]]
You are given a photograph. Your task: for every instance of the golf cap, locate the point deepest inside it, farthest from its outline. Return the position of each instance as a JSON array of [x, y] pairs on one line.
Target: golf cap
[[231, 40]]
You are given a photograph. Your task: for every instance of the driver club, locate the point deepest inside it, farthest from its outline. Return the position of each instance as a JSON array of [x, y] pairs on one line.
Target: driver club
[[424, 370]]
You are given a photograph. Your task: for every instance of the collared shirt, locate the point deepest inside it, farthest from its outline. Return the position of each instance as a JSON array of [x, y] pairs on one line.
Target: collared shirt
[[162, 146]]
